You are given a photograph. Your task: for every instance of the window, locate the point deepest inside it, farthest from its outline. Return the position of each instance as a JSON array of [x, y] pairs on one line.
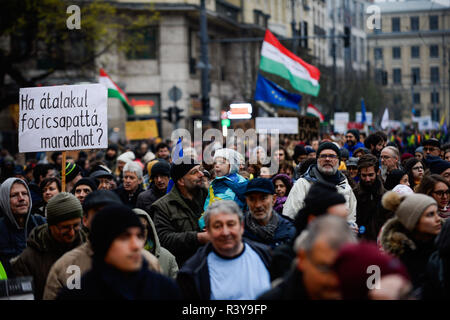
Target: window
[[416, 98], [434, 74], [227, 10], [397, 76], [260, 18], [378, 53], [414, 23], [434, 51], [434, 24], [415, 52], [396, 53], [396, 24], [144, 44], [434, 97], [415, 74]]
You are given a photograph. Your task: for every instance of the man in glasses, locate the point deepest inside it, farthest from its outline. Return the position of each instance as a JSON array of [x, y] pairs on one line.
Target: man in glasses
[[326, 170], [432, 147], [390, 157], [50, 241]]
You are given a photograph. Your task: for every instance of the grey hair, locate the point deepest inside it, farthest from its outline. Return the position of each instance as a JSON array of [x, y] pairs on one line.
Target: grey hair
[[222, 206], [394, 151], [335, 231], [133, 167]]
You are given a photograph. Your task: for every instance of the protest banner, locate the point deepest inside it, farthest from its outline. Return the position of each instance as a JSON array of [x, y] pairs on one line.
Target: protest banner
[[341, 120], [284, 125], [63, 118], [140, 130], [308, 128]]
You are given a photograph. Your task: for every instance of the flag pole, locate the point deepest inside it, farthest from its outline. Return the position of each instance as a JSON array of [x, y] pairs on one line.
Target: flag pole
[[63, 172]]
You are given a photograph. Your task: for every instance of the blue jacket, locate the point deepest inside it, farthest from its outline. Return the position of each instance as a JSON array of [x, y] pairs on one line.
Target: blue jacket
[[352, 149], [284, 233], [13, 239], [229, 187]]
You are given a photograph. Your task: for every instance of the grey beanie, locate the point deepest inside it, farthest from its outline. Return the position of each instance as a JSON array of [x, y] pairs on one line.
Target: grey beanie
[[62, 207], [408, 208]]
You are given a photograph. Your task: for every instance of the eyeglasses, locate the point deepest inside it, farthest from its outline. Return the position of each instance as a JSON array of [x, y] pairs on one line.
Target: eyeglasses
[[417, 168], [430, 149], [65, 229], [331, 156], [441, 193], [385, 157]]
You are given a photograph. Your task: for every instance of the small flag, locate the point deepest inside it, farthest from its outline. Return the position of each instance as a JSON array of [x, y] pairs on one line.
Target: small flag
[[270, 92], [115, 92], [311, 110], [177, 153], [385, 119], [363, 111]]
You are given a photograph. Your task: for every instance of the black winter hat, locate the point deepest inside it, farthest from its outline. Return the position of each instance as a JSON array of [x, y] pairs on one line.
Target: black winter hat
[[100, 198], [263, 185], [328, 145], [108, 224], [320, 197], [85, 181], [432, 142], [299, 150], [162, 167], [72, 170], [101, 174], [181, 168], [393, 178]]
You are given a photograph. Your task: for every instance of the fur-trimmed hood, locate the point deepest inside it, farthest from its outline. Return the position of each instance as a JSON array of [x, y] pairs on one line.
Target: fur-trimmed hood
[[395, 238]]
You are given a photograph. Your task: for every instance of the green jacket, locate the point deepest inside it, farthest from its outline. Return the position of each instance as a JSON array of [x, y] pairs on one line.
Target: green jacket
[[177, 224], [3, 275]]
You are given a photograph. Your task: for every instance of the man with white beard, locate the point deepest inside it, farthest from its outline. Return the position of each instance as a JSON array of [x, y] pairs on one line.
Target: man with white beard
[[389, 161], [326, 170]]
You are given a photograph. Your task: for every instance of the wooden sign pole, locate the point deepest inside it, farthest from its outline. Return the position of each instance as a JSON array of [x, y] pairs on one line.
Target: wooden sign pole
[[63, 172]]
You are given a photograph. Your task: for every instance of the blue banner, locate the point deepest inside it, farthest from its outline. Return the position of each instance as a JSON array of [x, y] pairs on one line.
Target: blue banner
[[363, 111], [270, 92]]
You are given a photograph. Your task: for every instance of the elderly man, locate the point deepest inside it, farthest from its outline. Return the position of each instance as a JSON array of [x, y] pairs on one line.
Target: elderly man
[[131, 188], [119, 270], [229, 267], [262, 223], [17, 222], [176, 214], [48, 242], [390, 160], [326, 170], [313, 278], [103, 179]]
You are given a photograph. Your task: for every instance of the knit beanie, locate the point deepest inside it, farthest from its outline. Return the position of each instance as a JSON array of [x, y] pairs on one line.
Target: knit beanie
[[320, 197], [100, 198], [299, 150], [72, 170], [344, 153], [393, 178], [438, 166], [232, 156], [85, 181], [62, 207], [108, 224], [355, 133], [328, 145], [408, 208], [162, 167], [351, 267], [184, 165], [126, 157]]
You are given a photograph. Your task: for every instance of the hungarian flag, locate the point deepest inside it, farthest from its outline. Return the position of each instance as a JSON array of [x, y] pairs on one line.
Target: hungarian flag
[[278, 60], [115, 92], [313, 111]]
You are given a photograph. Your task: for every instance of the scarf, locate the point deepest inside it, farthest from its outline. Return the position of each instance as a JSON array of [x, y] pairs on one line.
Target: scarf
[[334, 179], [266, 232]]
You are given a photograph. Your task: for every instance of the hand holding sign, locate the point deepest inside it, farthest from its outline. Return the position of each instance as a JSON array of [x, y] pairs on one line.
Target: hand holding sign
[[63, 118]]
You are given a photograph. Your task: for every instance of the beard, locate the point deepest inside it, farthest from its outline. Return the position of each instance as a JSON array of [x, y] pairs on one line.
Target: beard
[[327, 170]]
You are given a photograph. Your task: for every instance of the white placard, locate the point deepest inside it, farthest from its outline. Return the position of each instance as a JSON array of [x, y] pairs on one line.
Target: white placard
[[63, 118], [341, 121], [285, 125], [369, 117]]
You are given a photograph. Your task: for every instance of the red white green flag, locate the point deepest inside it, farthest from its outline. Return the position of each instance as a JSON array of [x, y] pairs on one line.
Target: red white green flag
[[313, 111], [115, 92], [278, 60]]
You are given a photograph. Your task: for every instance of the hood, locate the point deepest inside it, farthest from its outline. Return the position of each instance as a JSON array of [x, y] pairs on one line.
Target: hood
[[5, 205], [151, 230], [394, 238], [232, 156], [41, 240]]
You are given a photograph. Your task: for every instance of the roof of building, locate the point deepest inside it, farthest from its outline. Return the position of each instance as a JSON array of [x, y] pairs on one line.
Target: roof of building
[[412, 6]]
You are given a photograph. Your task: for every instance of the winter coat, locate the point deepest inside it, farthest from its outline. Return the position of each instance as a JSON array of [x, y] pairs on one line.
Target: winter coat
[[284, 233], [352, 149], [82, 258], [193, 277], [41, 253], [295, 200], [370, 213], [125, 196], [147, 198], [166, 260], [291, 288], [13, 239], [104, 282], [177, 223], [414, 254], [229, 187]]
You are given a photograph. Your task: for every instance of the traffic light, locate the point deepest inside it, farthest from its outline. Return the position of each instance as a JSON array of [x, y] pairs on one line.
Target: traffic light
[[347, 35], [168, 115], [177, 111]]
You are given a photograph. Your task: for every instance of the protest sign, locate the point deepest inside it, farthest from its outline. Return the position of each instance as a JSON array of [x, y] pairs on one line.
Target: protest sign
[[284, 125], [341, 120], [140, 130], [63, 118], [308, 128]]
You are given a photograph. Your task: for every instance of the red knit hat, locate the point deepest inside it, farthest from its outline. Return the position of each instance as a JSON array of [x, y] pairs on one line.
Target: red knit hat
[[352, 268]]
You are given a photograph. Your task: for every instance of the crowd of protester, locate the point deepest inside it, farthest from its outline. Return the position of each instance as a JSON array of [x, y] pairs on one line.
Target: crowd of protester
[[139, 225]]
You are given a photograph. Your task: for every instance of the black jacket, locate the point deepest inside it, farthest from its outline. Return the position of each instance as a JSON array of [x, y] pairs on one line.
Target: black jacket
[[104, 282], [193, 277], [291, 288], [125, 196], [146, 198]]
